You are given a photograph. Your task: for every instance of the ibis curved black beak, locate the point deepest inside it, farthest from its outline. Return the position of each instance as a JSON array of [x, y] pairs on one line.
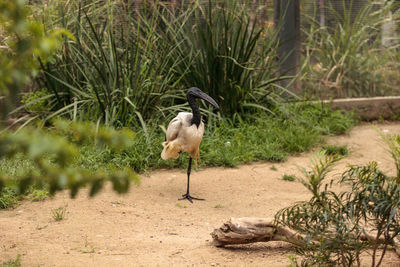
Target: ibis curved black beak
[[196, 92]]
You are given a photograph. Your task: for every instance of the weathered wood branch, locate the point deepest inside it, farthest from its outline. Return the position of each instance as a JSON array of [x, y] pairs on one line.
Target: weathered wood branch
[[251, 230]]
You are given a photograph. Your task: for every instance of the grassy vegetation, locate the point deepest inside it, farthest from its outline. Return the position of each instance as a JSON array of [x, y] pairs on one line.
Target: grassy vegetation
[[265, 138], [12, 263], [269, 138], [336, 150], [345, 57], [125, 66], [289, 177], [59, 213]]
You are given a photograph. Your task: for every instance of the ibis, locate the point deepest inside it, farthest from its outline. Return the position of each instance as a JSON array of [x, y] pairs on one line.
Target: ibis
[[185, 132]]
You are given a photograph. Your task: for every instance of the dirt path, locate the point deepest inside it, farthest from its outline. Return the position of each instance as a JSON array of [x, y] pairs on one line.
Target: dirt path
[[149, 227]]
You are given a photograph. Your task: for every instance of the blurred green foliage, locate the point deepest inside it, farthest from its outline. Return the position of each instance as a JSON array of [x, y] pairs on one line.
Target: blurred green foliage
[[54, 158], [50, 154], [346, 57], [22, 40]]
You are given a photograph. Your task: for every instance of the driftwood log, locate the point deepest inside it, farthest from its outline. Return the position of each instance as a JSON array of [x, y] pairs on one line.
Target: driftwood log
[[251, 230]]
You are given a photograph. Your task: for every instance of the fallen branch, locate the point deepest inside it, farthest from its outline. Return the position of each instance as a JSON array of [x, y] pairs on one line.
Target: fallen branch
[[251, 230]]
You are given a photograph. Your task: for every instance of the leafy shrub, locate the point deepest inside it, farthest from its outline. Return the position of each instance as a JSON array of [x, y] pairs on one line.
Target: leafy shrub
[[337, 227], [35, 101]]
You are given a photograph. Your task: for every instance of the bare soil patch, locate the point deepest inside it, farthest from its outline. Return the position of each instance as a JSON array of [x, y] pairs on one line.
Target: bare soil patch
[[149, 226]]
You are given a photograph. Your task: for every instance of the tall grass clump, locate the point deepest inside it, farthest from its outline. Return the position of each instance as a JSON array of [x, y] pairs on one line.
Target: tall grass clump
[[129, 65], [346, 56], [111, 72], [223, 50]]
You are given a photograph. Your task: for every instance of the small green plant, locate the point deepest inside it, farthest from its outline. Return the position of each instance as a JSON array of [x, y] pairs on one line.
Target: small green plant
[[37, 195], [218, 206], [87, 247], [12, 263], [289, 177], [36, 101], [179, 205], [41, 227], [336, 150], [59, 213], [8, 198], [273, 168]]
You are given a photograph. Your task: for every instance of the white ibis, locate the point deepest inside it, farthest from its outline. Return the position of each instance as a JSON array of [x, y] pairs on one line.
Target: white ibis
[[184, 134]]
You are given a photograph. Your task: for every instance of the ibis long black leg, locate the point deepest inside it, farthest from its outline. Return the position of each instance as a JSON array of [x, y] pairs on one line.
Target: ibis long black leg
[[187, 195]]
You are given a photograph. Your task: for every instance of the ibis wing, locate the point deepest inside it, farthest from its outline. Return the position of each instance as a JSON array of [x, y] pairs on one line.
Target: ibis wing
[[173, 129], [175, 126]]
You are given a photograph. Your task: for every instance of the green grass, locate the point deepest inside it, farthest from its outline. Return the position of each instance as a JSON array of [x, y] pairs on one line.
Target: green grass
[[8, 198], [336, 150], [346, 58], [59, 213], [289, 177], [267, 138], [12, 263]]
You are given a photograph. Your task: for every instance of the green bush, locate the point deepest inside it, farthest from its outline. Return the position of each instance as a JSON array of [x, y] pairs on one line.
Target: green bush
[[336, 227]]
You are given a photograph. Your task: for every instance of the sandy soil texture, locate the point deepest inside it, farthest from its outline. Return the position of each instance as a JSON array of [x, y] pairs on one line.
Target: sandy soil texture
[[150, 227]]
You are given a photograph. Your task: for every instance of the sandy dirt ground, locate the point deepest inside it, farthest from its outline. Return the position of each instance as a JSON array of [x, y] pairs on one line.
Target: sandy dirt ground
[[150, 227]]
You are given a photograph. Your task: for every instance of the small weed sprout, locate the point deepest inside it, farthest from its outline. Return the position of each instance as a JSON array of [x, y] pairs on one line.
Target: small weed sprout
[[289, 177], [336, 150], [38, 195], [41, 227], [59, 213], [219, 206], [88, 248], [12, 263], [179, 205], [273, 168]]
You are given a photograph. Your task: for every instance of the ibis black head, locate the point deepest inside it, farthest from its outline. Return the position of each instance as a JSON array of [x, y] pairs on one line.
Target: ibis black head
[[197, 93]]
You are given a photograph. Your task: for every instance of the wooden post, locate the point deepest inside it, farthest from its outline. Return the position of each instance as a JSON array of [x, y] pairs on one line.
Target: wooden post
[[287, 21], [322, 13]]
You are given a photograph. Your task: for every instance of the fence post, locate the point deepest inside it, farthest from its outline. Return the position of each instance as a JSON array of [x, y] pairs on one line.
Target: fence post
[[287, 21]]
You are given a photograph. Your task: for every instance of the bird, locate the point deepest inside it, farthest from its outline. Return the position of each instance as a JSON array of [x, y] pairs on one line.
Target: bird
[[185, 132]]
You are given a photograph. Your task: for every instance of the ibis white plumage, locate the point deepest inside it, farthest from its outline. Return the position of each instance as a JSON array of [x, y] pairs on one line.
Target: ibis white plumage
[[185, 132]]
